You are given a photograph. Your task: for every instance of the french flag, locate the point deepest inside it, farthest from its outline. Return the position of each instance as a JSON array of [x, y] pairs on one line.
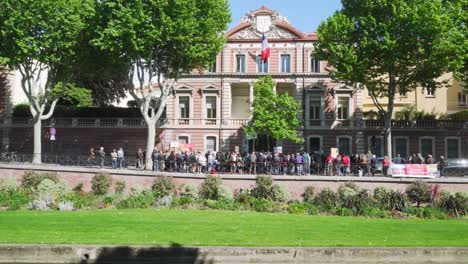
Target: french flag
[[265, 48]]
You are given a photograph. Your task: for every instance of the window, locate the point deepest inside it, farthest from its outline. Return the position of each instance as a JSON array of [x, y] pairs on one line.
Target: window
[[183, 140], [452, 148], [240, 63], [402, 93], [210, 144], [184, 106], [343, 108], [285, 63], [401, 147], [315, 107], [430, 91], [314, 64], [344, 145], [210, 103], [315, 144], [262, 66], [462, 99], [426, 146]]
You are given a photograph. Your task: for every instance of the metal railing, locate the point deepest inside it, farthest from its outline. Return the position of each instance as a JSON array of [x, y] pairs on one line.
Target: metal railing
[[271, 168]]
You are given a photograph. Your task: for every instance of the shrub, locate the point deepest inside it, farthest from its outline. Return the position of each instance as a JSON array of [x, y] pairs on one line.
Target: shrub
[[263, 188], [43, 203], [163, 186], [224, 193], [81, 200], [31, 179], [345, 193], [141, 200], [281, 193], [138, 189], [119, 187], [352, 185], [13, 199], [65, 206], [419, 192], [78, 188], [426, 212], [210, 188], [221, 205], [188, 190], [264, 205], [8, 184], [242, 196], [100, 184], [390, 200], [165, 201], [326, 199], [309, 194], [455, 204], [344, 212], [297, 208], [375, 213], [358, 202], [183, 201], [47, 186]]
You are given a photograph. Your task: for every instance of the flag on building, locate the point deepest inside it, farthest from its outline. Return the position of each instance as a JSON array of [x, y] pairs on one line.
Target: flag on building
[[265, 48]]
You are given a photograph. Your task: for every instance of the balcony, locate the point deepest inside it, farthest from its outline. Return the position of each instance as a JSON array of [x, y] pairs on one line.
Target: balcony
[[417, 124]]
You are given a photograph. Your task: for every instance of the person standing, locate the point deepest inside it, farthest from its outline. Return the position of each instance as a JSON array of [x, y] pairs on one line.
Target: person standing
[[140, 157], [253, 163], [102, 156], [306, 158], [385, 165], [339, 165], [155, 157], [329, 163], [299, 164], [114, 159], [346, 164], [91, 157], [120, 157]]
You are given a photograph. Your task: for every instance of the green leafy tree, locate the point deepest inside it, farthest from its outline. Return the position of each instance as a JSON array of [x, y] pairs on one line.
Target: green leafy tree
[[274, 115], [71, 95], [162, 39], [391, 46], [38, 38]]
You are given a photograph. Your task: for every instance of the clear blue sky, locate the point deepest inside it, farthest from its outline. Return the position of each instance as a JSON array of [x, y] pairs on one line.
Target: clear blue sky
[[305, 15]]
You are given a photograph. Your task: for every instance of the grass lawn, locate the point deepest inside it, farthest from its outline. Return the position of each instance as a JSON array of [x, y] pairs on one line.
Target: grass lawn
[[223, 228]]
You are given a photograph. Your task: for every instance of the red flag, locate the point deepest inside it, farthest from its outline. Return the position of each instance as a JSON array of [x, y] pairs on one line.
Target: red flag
[[265, 48]]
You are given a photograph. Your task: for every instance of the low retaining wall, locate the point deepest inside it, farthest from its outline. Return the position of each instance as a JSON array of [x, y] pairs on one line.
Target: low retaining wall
[[296, 184], [181, 255]]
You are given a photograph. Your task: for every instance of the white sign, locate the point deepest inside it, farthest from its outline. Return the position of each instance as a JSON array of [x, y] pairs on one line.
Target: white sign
[[53, 131], [52, 137], [263, 23]]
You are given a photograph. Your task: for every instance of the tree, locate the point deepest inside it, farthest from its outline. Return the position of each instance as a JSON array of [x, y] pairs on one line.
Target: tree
[[71, 95], [274, 115], [390, 47], [162, 39], [38, 38]]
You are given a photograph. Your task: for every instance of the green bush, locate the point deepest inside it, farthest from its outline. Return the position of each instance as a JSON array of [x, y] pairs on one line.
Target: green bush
[[8, 184], [426, 212], [163, 186], [326, 199], [183, 201], [358, 202], [309, 194], [376, 213], [281, 193], [78, 188], [100, 184], [419, 192], [459, 116], [141, 200], [264, 205], [119, 187], [345, 193], [297, 208], [48, 187], [344, 211], [211, 188], [263, 188], [188, 190], [243, 196], [221, 205], [390, 200], [81, 200], [454, 204], [13, 199], [31, 179]]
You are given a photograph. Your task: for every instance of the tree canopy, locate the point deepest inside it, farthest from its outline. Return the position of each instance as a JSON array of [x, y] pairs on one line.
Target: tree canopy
[[274, 115], [160, 39], [392, 46]]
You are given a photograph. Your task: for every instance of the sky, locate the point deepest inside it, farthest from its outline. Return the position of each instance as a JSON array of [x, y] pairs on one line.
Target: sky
[[305, 15]]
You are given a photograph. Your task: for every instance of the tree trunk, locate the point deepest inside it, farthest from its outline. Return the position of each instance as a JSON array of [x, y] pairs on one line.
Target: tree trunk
[[268, 142], [388, 134], [150, 141], [37, 142]]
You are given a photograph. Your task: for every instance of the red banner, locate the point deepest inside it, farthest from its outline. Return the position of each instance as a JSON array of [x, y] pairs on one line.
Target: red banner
[[416, 169]]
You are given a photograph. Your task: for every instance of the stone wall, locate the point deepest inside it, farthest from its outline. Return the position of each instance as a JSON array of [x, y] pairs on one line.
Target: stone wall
[[296, 184], [204, 255]]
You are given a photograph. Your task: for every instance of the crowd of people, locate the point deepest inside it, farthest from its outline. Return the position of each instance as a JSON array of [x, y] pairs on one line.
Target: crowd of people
[[301, 163]]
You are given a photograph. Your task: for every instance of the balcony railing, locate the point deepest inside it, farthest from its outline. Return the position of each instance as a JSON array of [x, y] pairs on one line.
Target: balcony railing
[[238, 122]]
